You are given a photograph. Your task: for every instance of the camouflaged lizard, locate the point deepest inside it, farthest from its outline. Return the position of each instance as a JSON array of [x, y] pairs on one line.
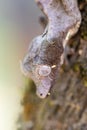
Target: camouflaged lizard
[[46, 52]]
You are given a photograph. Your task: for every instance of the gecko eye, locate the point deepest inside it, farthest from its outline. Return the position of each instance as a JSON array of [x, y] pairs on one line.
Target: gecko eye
[[41, 94], [44, 70]]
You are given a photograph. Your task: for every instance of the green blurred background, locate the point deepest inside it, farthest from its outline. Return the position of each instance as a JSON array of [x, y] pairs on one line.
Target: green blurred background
[[18, 25]]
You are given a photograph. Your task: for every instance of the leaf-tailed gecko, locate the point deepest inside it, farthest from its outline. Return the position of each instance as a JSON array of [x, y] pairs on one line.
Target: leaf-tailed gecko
[[46, 52]]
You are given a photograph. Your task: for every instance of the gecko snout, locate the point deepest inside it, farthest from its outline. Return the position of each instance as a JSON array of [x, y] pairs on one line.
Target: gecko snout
[[44, 87]]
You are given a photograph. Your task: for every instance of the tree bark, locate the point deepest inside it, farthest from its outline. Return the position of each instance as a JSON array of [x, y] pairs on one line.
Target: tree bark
[[66, 107]]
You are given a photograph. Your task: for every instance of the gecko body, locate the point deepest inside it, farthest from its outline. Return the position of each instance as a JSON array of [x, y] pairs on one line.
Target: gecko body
[[46, 52]]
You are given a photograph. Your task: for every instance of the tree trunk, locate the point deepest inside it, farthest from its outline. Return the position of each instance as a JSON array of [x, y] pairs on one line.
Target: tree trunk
[[66, 107]]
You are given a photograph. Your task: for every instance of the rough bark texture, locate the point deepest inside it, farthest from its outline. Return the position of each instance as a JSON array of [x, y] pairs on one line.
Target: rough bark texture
[[66, 107]]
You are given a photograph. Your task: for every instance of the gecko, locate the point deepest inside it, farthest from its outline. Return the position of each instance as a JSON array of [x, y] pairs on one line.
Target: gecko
[[46, 52]]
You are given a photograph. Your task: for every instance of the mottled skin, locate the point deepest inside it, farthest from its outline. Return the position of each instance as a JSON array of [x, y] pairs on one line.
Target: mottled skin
[[40, 53], [48, 49]]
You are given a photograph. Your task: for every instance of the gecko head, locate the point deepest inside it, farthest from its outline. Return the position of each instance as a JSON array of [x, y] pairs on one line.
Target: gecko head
[[41, 75]]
